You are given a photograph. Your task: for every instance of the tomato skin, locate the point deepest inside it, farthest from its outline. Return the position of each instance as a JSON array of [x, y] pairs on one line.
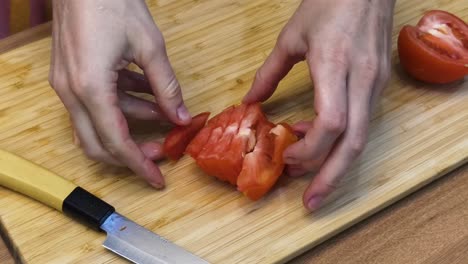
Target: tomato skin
[[434, 58], [180, 136]]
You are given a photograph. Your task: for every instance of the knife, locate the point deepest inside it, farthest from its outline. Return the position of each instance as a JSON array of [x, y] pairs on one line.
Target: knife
[[124, 237]]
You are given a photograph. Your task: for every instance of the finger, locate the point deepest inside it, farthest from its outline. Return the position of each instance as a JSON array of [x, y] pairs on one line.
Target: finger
[[133, 81], [84, 133], [351, 144], [274, 69], [102, 102], [295, 170], [165, 86], [301, 127], [139, 108], [331, 108], [152, 150], [88, 139]]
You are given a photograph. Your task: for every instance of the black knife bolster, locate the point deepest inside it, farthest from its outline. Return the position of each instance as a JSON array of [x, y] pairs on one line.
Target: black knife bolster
[[86, 208]]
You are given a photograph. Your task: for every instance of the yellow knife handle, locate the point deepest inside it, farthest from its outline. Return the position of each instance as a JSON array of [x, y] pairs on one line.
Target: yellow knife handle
[[30, 179]]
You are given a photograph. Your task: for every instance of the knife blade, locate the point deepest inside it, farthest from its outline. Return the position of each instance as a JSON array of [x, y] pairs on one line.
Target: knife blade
[[124, 237]]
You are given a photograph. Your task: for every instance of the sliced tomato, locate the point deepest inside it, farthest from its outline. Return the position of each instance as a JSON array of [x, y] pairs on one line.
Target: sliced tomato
[[199, 142], [240, 146], [180, 136], [221, 153], [436, 50], [284, 136], [263, 166]]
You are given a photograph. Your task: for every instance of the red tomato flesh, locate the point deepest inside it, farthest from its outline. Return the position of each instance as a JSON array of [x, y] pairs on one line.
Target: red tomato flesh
[[240, 146], [263, 166], [180, 136]]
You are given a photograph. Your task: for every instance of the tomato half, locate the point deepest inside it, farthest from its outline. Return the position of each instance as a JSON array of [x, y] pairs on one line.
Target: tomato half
[[180, 136], [240, 146], [436, 50]]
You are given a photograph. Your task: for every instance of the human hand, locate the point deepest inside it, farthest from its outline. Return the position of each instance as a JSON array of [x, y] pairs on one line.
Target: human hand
[[347, 46], [92, 43]]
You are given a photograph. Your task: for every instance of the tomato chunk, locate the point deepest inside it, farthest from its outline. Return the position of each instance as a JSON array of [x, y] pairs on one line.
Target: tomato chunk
[[180, 136], [436, 50], [240, 146], [263, 166]]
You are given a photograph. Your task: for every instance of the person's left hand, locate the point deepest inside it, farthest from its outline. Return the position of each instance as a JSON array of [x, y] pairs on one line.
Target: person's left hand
[[347, 47]]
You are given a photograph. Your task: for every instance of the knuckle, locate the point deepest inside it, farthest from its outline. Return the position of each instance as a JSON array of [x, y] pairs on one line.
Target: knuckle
[[291, 41], [339, 60], [126, 151], [336, 55], [118, 147], [332, 185], [115, 148], [369, 67], [260, 77], [83, 83], [357, 145], [172, 91], [334, 121], [94, 154], [112, 148], [57, 80], [284, 40], [341, 49], [151, 48]]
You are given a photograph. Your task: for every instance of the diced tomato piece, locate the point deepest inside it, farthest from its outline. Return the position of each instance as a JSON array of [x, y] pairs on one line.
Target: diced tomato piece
[[180, 136], [197, 144], [245, 149], [262, 167], [284, 137], [256, 177], [240, 146]]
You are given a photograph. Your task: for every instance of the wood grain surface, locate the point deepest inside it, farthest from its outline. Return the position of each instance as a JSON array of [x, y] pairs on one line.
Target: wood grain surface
[[25, 37], [427, 227], [416, 136], [5, 256]]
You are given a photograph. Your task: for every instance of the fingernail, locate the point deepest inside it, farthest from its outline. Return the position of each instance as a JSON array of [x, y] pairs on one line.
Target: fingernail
[[314, 202], [183, 114]]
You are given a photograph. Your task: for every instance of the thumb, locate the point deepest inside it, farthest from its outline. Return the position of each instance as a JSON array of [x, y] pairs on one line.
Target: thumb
[[165, 86], [274, 69]]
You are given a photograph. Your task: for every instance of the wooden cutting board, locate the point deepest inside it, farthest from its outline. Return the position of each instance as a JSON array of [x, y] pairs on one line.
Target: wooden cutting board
[[417, 134]]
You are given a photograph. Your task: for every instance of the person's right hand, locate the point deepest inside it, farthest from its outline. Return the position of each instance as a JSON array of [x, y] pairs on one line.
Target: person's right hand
[[92, 43]]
